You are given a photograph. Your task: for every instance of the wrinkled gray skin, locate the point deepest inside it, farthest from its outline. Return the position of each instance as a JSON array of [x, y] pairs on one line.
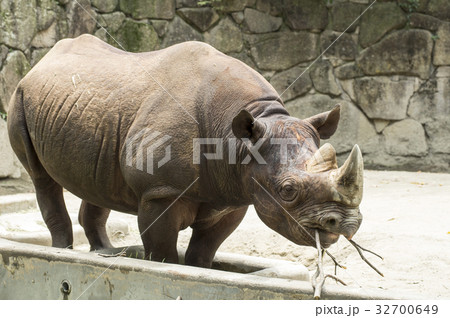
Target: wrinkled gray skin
[[71, 115]]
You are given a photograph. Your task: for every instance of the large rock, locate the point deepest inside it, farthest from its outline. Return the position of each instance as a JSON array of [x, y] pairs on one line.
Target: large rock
[[431, 106], [345, 16], [264, 5], [442, 47], [46, 38], [379, 20], [443, 71], [406, 52], [282, 50], [423, 21], [348, 71], [440, 9], [17, 23], [154, 9], [405, 138], [354, 127], [226, 37], [160, 26], [259, 22], [46, 13], [310, 105], [81, 18], [3, 53], [37, 55], [323, 78], [243, 56], [292, 83], [132, 36], [231, 5], [422, 106], [380, 124], [15, 67], [272, 7], [238, 17], [201, 18], [179, 31], [383, 97], [9, 164], [337, 46], [439, 135], [186, 3], [105, 6], [63, 24], [112, 21], [305, 14], [439, 129]]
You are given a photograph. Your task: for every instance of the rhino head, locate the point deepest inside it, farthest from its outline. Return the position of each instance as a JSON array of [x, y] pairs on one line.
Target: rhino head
[[302, 189]]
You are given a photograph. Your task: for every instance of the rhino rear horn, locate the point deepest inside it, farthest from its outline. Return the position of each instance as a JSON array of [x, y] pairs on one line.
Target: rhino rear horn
[[324, 159], [348, 179]]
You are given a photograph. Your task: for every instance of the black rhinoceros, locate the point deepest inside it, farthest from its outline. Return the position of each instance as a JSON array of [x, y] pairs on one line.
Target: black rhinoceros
[[74, 116]]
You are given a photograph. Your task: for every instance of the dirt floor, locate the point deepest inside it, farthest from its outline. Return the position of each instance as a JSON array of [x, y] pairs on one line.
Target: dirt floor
[[406, 220], [13, 186]]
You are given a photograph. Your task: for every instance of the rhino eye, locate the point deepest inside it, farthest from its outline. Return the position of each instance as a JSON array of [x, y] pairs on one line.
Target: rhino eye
[[288, 192]]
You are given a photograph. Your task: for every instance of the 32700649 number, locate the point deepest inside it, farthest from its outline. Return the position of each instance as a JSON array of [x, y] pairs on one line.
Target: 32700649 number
[[407, 309]]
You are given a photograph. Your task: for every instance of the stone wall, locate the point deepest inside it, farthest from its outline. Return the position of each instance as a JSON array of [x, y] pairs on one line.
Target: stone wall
[[389, 70]]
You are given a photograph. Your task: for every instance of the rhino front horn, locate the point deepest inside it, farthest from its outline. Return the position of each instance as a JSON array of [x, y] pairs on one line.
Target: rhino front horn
[[348, 180]]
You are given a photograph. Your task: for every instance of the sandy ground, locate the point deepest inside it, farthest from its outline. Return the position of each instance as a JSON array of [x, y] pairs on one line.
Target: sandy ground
[[406, 220]]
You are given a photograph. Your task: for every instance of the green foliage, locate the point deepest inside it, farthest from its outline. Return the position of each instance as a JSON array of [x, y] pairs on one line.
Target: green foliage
[[435, 37], [3, 116], [410, 6]]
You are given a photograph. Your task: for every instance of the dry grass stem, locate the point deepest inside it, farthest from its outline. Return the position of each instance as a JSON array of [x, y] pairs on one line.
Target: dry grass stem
[[121, 253], [360, 249], [336, 263], [318, 280]]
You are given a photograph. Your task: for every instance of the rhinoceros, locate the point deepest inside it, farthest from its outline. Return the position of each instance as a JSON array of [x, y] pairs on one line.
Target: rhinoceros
[[85, 117]]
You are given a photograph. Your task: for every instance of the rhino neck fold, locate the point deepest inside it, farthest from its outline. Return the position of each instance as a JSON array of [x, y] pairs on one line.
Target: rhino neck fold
[[266, 107]]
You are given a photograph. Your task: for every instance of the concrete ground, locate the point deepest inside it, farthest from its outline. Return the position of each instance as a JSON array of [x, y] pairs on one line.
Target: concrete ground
[[406, 220]]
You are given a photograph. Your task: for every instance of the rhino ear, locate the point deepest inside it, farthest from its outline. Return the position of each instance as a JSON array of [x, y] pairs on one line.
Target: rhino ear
[[245, 126], [326, 123]]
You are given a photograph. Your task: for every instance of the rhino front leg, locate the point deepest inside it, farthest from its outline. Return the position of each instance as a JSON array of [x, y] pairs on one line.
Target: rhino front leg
[[159, 222], [206, 240], [93, 220]]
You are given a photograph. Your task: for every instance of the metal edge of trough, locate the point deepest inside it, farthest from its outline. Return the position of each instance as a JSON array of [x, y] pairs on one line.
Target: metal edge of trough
[[38, 268], [231, 262]]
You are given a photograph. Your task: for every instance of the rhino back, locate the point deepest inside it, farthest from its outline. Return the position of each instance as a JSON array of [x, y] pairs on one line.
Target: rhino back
[[85, 98]]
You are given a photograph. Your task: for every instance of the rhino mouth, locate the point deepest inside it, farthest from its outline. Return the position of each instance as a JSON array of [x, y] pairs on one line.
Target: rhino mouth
[[326, 238]]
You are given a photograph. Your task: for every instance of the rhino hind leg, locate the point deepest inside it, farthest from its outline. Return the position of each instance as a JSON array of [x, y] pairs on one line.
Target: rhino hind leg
[[50, 198], [49, 193], [206, 240], [93, 220]]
